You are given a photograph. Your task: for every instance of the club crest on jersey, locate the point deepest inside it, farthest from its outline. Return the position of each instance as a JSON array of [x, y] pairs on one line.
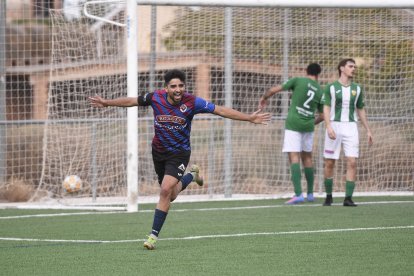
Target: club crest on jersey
[[183, 108], [353, 92]]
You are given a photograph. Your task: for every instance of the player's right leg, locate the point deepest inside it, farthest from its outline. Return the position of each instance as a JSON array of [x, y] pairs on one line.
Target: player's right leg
[[169, 183], [296, 180], [175, 166], [292, 144], [328, 182], [170, 167], [351, 151], [168, 186]]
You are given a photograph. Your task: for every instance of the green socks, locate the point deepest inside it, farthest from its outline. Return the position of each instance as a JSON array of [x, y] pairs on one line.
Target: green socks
[[328, 185], [309, 179], [349, 188], [295, 176]]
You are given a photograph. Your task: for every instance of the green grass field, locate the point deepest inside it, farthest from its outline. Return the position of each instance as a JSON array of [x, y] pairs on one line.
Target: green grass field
[[260, 237]]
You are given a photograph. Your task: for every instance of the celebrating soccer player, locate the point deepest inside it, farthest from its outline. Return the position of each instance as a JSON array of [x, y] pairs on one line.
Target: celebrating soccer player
[[174, 109]]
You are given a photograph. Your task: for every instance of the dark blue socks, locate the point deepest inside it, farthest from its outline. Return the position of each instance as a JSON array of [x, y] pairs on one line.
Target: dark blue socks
[[186, 180], [159, 218]]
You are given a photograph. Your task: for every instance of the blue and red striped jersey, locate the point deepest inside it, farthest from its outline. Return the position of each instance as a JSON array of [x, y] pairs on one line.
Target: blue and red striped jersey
[[172, 123]]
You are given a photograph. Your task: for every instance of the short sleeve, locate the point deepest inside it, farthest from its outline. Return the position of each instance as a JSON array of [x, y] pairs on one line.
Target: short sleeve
[[319, 100], [288, 85], [360, 102], [203, 106], [326, 97]]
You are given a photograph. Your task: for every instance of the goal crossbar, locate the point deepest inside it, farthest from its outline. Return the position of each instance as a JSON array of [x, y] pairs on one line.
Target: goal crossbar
[[286, 3], [263, 3]]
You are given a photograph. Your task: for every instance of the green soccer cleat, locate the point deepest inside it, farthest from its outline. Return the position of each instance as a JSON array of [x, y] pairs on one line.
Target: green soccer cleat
[[196, 177], [150, 243]]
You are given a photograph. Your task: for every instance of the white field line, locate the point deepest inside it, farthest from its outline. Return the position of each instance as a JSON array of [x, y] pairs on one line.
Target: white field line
[[220, 236], [60, 215], [201, 209]]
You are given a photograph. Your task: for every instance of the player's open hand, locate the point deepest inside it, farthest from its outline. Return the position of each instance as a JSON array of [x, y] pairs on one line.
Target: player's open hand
[[97, 101], [260, 118]]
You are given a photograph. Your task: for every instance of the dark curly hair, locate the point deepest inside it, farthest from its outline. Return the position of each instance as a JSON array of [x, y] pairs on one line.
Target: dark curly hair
[[313, 69], [174, 74]]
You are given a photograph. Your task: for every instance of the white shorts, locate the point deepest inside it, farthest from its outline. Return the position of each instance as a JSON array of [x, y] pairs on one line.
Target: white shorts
[[295, 141], [346, 135]]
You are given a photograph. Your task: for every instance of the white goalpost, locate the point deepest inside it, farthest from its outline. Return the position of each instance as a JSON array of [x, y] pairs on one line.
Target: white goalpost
[[231, 56]]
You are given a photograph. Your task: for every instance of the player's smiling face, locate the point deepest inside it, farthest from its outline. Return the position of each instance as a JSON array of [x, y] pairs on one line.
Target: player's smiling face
[[175, 90]]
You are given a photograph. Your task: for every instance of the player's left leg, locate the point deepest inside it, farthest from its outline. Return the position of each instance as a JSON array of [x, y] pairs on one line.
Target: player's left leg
[[192, 176], [309, 174], [195, 172], [350, 181], [351, 152], [306, 156]]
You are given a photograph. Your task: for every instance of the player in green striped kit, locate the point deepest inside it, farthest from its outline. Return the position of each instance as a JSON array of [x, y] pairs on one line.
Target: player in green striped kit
[[343, 105], [300, 126]]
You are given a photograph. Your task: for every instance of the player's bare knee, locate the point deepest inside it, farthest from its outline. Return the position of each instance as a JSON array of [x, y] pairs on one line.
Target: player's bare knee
[[329, 164], [166, 193], [351, 164]]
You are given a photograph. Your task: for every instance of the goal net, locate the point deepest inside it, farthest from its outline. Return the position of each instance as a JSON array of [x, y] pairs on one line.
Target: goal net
[[269, 45]]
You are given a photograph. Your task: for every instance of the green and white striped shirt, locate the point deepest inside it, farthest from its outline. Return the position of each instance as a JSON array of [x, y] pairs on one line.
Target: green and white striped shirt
[[343, 100]]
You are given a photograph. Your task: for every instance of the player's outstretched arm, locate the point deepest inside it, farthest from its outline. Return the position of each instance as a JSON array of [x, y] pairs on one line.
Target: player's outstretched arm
[[269, 93], [97, 101], [256, 117]]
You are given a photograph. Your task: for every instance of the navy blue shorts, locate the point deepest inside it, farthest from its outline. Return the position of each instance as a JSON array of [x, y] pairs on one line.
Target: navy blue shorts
[[173, 164]]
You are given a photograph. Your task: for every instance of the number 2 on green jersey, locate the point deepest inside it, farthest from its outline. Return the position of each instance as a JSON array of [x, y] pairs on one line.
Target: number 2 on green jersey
[[311, 94]]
